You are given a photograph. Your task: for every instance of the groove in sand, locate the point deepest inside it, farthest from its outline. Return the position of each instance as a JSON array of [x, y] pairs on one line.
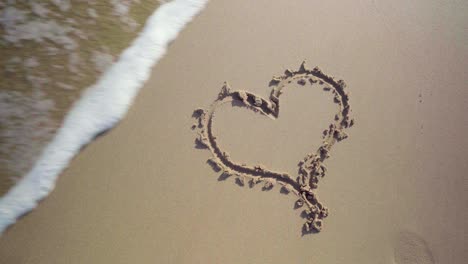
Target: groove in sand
[[311, 168]]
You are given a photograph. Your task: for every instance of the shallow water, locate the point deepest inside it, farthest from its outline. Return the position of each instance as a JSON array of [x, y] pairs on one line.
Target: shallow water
[[99, 106], [51, 51]]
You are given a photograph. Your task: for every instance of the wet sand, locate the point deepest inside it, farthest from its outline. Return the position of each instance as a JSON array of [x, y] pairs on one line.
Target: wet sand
[[395, 188], [51, 52]]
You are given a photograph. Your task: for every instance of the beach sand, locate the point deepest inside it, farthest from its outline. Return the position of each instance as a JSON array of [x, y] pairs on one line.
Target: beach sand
[[395, 189], [51, 51]]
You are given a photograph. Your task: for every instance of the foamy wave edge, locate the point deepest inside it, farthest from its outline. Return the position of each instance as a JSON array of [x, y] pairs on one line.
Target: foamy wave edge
[[101, 106]]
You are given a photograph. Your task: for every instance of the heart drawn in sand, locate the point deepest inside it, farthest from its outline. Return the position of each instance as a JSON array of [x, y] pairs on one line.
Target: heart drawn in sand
[[310, 169]]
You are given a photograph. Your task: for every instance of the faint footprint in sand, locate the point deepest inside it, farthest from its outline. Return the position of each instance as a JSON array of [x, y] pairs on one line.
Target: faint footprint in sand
[[410, 248]]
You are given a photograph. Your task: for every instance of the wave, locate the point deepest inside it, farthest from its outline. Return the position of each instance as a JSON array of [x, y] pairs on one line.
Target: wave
[[101, 106]]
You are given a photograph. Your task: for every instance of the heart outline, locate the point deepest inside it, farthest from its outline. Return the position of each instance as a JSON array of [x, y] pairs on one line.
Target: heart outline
[[311, 168]]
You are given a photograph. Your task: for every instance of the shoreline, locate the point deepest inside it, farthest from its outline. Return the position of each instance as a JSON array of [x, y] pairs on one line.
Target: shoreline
[[100, 107], [51, 51]]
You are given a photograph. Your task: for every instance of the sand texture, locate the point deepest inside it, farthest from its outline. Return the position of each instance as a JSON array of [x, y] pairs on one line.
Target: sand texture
[[311, 168], [396, 188]]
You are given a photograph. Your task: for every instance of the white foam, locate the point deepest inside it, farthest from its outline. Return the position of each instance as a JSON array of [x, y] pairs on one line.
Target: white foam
[[101, 107]]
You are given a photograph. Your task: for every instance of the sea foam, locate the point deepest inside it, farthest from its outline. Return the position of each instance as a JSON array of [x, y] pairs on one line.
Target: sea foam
[[101, 106]]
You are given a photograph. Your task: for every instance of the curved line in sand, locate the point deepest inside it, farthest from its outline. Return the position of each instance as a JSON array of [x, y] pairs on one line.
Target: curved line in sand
[[311, 168]]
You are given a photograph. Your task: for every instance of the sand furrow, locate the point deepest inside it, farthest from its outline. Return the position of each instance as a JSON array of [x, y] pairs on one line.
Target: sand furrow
[[310, 169]]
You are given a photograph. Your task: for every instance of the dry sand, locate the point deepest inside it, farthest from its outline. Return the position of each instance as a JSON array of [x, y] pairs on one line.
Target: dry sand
[[396, 188]]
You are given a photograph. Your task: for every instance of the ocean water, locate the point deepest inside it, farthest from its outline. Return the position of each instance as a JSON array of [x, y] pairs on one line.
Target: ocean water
[[50, 52], [99, 107]]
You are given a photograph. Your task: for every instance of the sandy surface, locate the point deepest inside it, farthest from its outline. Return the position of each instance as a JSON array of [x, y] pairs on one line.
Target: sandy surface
[[396, 188]]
